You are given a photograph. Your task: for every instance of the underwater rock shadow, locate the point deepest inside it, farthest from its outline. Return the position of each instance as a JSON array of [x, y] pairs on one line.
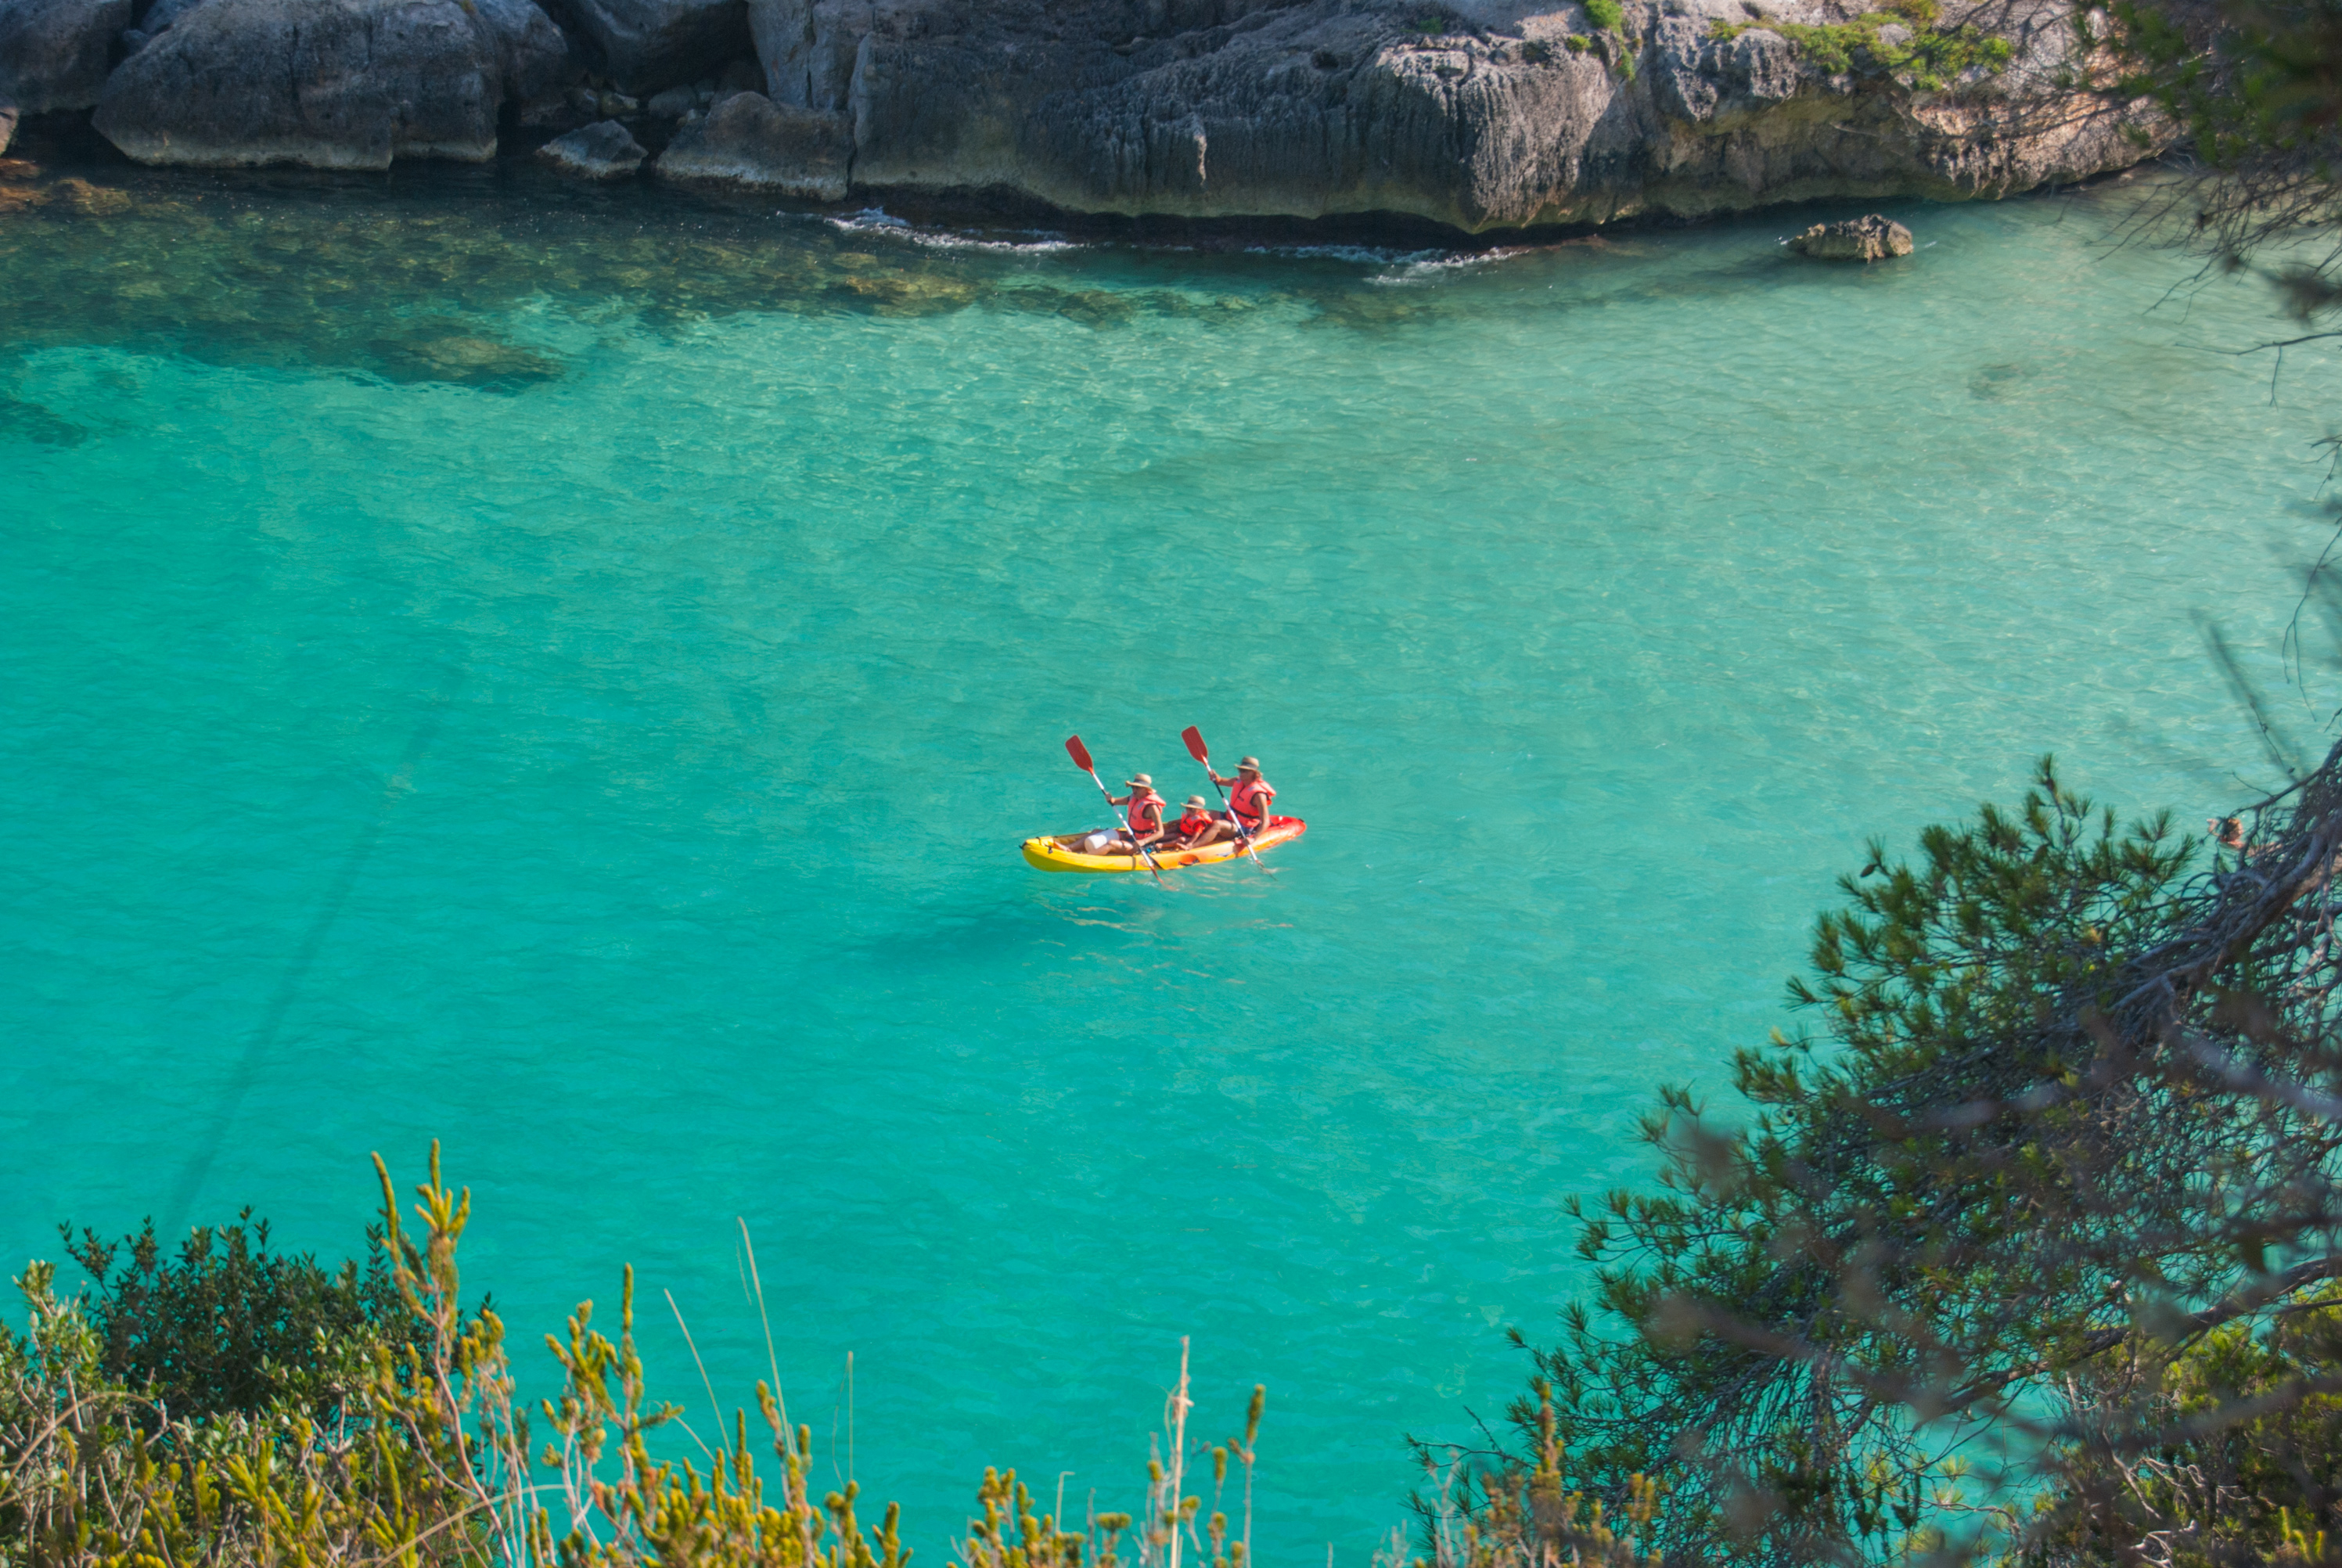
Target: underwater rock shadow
[[30, 422], [459, 358]]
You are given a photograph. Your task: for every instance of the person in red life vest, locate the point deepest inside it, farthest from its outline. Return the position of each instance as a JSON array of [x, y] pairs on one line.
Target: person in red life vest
[[1146, 815], [1197, 826], [1249, 795]]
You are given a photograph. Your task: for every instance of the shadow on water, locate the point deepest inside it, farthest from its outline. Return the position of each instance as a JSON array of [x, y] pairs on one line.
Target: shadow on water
[[1063, 918]]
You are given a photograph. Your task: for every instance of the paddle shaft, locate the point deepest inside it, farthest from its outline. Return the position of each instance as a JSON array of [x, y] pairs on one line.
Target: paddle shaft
[[1145, 853], [1203, 753]]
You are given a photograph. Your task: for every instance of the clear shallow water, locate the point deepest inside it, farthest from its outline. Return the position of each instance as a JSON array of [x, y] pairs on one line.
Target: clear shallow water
[[569, 680]]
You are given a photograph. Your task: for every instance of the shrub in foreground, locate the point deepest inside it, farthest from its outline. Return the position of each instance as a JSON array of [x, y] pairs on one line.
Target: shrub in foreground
[[234, 1406]]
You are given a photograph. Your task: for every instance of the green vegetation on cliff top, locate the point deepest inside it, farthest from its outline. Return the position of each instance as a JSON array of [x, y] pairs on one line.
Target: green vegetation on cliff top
[[1932, 56]]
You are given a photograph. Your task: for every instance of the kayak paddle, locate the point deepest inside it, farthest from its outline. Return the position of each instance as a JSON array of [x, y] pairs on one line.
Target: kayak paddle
[[1081, 755], [1195, 739]]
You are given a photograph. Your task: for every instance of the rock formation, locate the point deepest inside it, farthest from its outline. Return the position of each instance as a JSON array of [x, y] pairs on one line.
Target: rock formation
[[601, 151], [748, 143], [54, 53], [1479, 114], [647, 44], [331, 84], [1864, 239]]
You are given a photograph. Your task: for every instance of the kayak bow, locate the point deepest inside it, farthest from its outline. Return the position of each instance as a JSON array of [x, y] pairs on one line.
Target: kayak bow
[[1052, 854]]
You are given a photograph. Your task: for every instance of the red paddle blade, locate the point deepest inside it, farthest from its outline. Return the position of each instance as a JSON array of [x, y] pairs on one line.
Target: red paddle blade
[[1080, 754], [1195, 739]]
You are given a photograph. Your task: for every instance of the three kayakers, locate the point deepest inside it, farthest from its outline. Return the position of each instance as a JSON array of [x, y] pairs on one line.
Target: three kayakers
[[1249, 796], [1144, 812]]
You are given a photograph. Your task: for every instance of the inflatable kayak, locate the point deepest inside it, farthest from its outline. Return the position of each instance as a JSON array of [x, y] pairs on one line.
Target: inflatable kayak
[[1056, 853]]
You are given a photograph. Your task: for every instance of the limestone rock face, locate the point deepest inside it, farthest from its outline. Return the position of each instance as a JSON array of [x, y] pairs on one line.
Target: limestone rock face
[[534, 56], [1505, 113], [748, 143], [602, 151], [1864, 239], [54, 53], [647, 44], [329, 84]]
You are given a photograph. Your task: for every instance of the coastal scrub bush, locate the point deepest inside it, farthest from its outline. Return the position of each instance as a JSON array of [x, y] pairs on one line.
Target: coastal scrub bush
[[177, 1420], [1607, 15], [2027, 1249], [226, 1324], [1933, 55]]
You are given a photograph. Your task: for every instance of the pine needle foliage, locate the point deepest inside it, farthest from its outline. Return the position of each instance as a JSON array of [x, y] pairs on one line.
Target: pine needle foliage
[[2062, 1118]]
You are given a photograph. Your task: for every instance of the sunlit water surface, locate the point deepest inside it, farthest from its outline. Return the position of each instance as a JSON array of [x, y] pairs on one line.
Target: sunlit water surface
[[567, 677]]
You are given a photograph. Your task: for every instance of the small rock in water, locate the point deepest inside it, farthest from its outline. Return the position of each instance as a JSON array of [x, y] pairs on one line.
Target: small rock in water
[[671, 104], [603, 151], [1864, 239]]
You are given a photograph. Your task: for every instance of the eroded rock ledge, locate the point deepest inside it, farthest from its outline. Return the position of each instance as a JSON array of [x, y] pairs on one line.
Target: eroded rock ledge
[[1482, 115]]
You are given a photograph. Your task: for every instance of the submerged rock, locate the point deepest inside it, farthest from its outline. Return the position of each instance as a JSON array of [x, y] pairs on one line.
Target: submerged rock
[[54, 53], [748, 143], [330, 84], [73, 196], [7, 125], [603, 151], [78, 196], [1869, 238], [647, 44], [465, 359]]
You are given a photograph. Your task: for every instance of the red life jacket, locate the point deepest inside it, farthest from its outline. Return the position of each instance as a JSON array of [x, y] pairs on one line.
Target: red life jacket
[[1192, 823], [1249, 799], [1146, 812]]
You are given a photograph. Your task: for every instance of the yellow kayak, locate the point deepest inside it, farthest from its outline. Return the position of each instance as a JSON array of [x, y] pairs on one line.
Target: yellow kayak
[[1052, 854]]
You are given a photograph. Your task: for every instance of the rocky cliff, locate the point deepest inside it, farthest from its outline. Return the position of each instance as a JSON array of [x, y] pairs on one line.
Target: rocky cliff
[[1482, 115]]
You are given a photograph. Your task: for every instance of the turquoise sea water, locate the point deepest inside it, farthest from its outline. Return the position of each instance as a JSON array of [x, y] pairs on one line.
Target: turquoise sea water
[[569, 679]]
